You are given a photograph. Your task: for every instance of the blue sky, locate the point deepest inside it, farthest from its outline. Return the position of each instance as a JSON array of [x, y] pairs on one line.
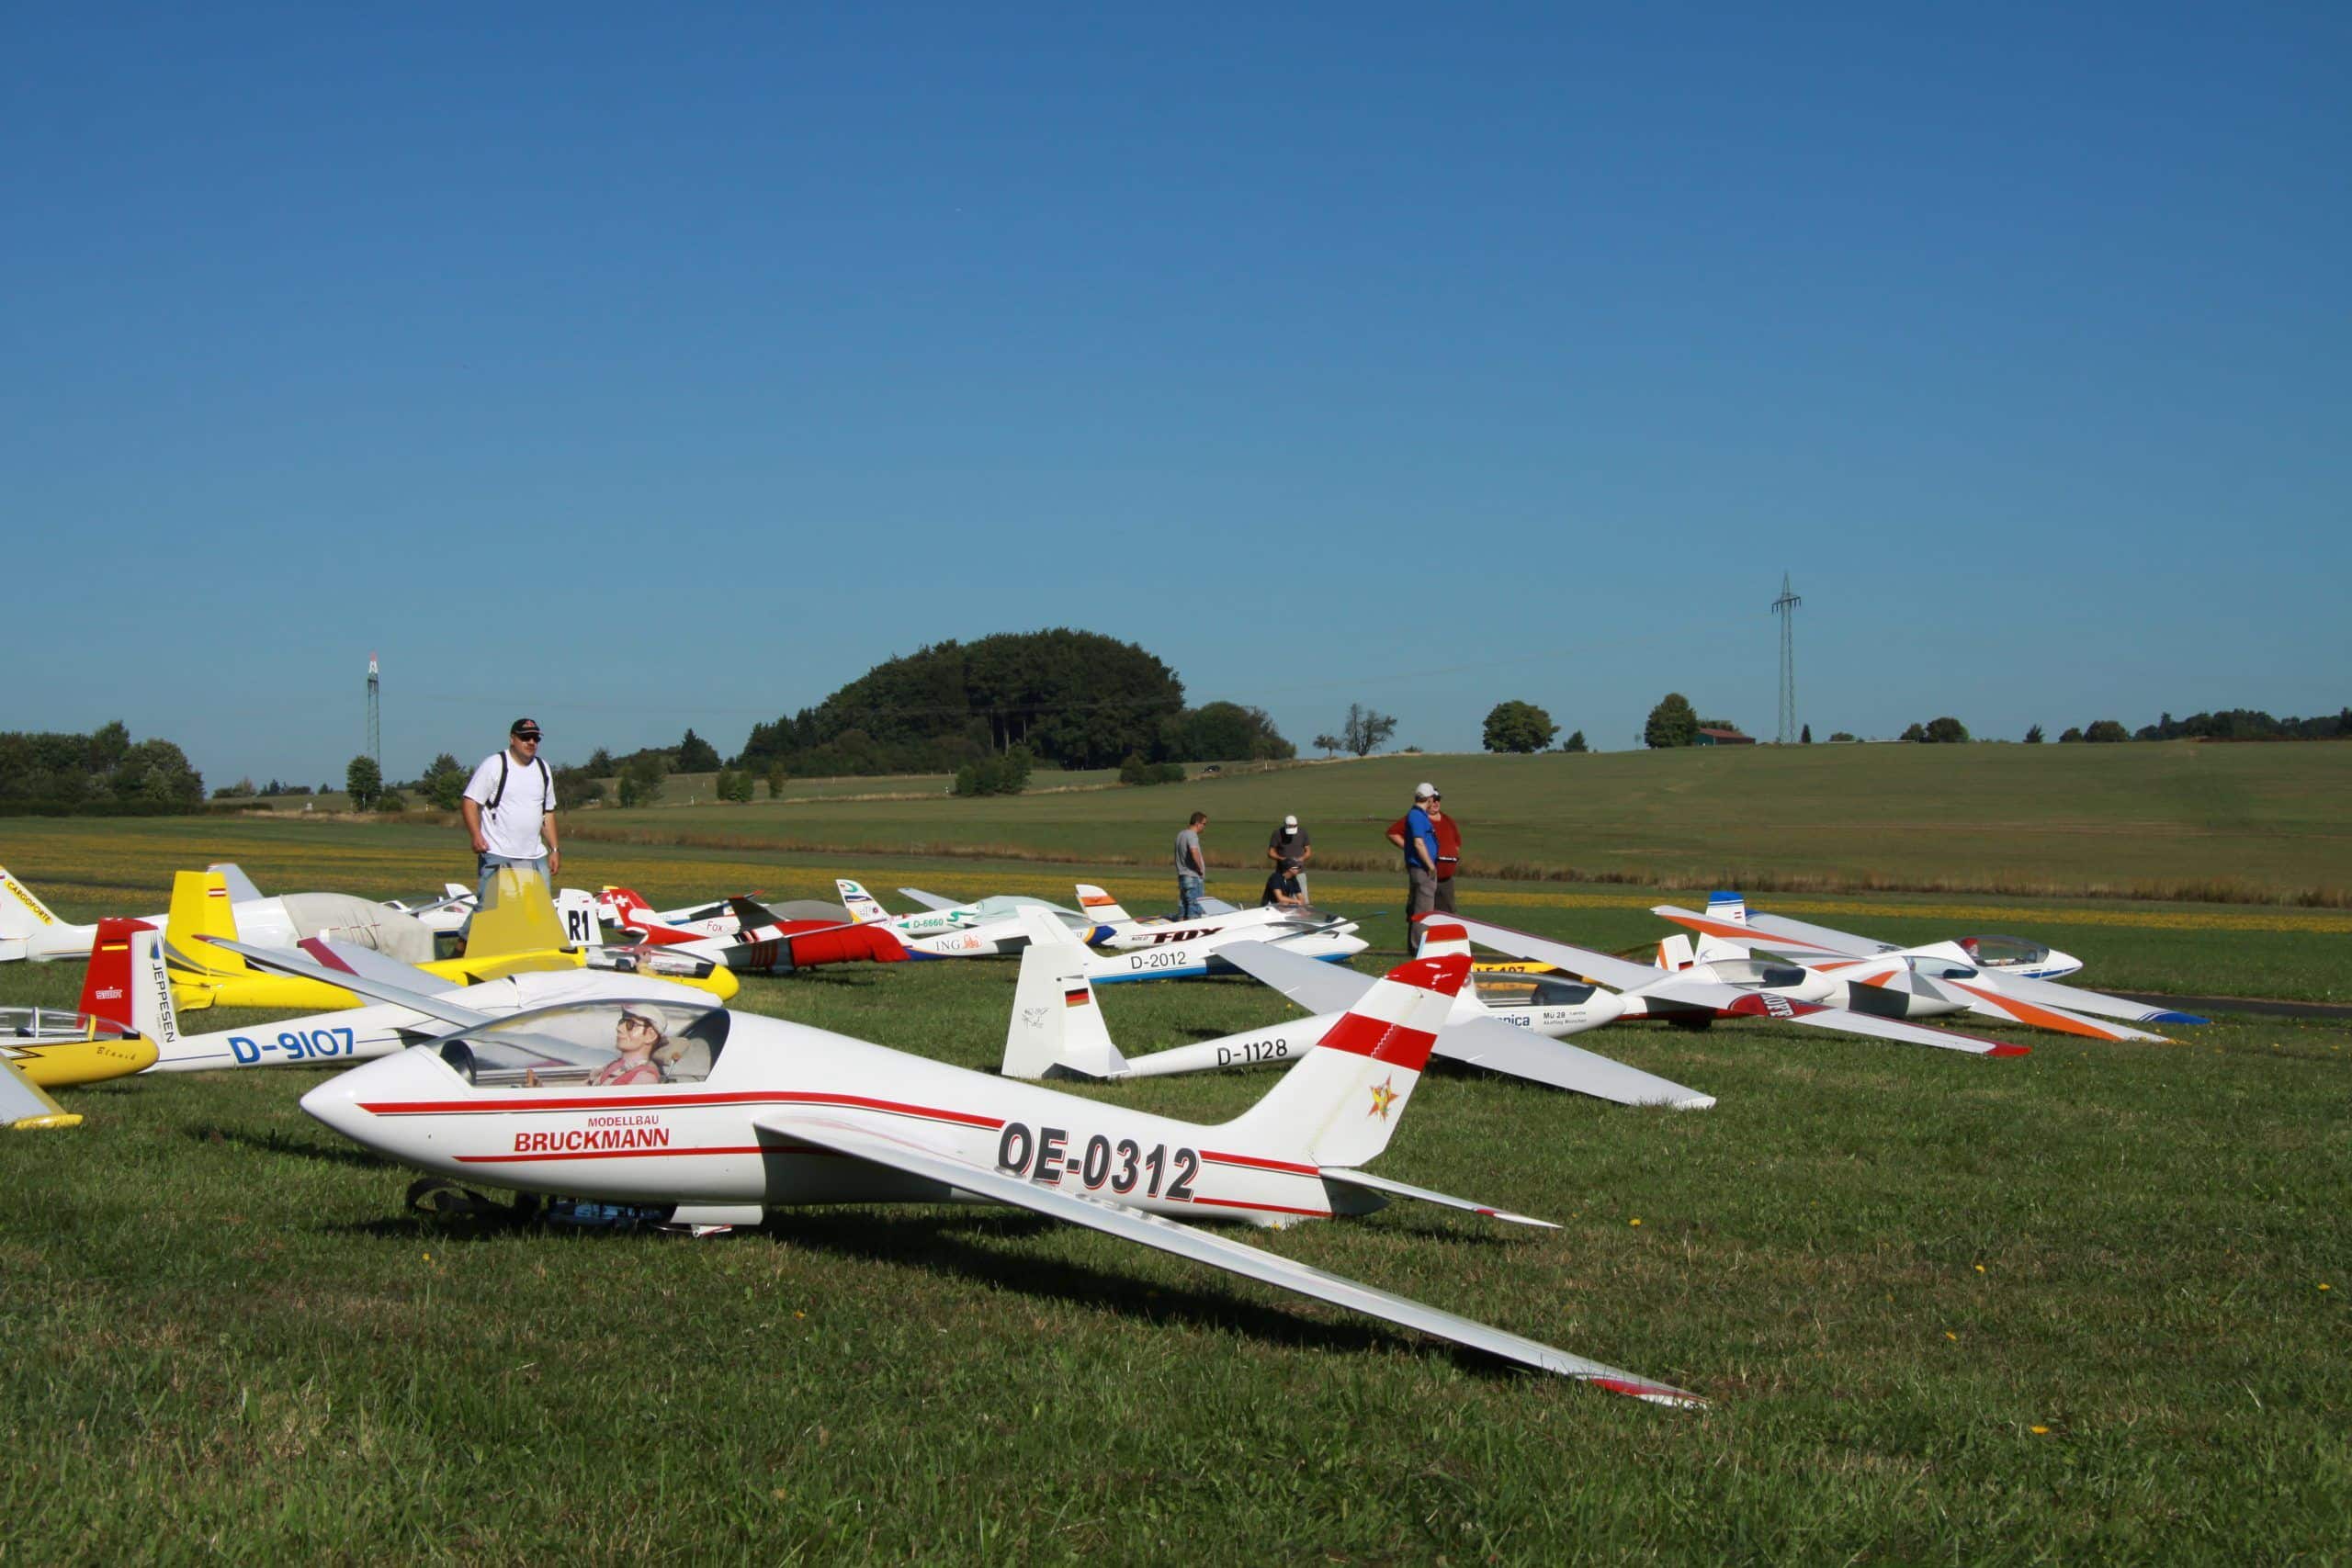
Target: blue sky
[[639, 371]]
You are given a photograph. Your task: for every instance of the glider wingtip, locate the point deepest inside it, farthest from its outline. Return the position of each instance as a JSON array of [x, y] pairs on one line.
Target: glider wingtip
[[2177, 1018], [2011, 1050], [1656, 1393]]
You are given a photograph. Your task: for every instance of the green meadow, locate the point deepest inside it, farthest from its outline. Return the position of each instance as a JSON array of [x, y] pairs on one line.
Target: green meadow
[[2089, 1302], [2173, 821]]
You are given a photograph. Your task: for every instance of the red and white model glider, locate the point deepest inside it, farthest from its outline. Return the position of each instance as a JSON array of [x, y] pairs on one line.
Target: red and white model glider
[[719, 1117]]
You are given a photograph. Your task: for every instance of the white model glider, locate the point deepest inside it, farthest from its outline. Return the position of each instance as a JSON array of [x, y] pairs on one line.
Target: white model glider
[[1644, 992], [986, 928], [756, 1113], [1057, 1026], [1898, 985], [2007, 977], [426, 1006]]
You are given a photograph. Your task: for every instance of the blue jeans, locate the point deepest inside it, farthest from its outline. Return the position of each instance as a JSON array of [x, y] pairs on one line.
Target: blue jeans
[[1188, 896]]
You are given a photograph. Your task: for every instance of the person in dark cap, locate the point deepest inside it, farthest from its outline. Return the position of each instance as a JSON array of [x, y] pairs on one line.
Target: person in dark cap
[[1282, 887], [509, 807]]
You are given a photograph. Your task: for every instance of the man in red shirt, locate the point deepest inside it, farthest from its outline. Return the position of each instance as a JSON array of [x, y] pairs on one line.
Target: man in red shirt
[[1449, 852]]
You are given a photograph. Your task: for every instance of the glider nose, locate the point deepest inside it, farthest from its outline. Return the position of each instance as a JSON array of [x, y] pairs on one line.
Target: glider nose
[[341, 1101], [2059, 964]]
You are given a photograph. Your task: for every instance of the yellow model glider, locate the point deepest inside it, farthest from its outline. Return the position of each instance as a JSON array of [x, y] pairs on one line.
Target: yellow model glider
[[517, 931], [43, 1049]]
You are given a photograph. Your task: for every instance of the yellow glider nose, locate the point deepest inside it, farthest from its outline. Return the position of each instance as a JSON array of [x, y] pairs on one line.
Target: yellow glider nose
[[60, 1064]]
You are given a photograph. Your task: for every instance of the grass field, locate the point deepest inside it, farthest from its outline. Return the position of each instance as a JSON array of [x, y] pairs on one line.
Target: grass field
[[2086, 1302], [2258, 823]]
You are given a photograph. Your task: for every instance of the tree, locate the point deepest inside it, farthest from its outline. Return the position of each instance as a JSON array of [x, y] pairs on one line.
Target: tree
[[696, 755], [2071, 737], [444, 783], [1223, 732], [576, 787], [1917, 732], [2106, 730], [1806, 738], [108, 745], [363, 780], [600, 764], [1842, 735], [2033, 736], [154, 775], [641, 776], [391, 803], [1947, 730], [1518, 727], [1574, 742], [996, 776], [1672, 723], [1329, 744], [1365, 730]]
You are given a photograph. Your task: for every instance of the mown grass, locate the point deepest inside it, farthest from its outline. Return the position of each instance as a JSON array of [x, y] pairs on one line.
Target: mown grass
[[1888, 1267], [2177, 820]]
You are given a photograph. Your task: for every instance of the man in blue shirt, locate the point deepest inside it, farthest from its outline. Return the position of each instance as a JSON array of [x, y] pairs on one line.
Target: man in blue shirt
[[1415, 835]]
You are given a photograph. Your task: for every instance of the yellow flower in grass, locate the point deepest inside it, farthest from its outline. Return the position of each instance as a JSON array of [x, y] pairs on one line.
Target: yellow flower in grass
[[1634, 1220], [1950, 1335], [2039, 1431]]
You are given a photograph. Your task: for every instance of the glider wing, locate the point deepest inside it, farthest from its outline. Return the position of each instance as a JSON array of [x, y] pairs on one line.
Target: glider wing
[[1184, 1241]]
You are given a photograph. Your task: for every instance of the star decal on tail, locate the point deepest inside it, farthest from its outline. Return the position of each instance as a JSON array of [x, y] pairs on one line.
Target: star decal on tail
[[1383, 1095]]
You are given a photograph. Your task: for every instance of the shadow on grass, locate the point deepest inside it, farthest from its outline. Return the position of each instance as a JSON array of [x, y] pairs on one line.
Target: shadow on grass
[[280, 1144], [941, 1245]]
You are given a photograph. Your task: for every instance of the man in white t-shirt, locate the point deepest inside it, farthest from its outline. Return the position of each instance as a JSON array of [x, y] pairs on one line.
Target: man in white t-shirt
[[509, 810]]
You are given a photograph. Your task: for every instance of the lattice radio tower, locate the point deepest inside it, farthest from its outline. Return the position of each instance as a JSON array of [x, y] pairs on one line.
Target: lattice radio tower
[[374, 715], [1785, 606]]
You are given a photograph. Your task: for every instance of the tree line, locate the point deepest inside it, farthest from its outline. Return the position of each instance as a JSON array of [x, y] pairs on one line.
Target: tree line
[[103, 773]]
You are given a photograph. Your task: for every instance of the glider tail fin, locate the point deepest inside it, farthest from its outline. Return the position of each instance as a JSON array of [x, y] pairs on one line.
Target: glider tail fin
[[1056, 1023], [863, 907], [1673, 952], [626, 908], [200, 909], [520, 918], [576, 908], [1345, 1095], [109, 988], [1727, 907], [21, 913], [1100, 906]]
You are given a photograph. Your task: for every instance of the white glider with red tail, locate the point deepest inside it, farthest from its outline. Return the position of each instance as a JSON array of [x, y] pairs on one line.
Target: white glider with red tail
[[1993, 976], [754, 1114], [1058, 1026], [1645, 992]]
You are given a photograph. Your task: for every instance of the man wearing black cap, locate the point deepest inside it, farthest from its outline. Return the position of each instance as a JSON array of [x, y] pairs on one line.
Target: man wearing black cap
[[509, 810]]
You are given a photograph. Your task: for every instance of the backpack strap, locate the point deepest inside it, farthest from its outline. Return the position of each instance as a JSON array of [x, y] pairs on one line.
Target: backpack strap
[[500, 793]]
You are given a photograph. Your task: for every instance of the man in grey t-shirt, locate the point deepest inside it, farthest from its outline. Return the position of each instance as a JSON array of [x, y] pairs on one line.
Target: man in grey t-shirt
[[1291, 842], [1191, 869]]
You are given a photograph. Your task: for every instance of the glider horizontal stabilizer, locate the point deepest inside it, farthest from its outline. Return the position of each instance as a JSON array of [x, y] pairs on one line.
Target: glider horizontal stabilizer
[[1372, 1183], [1184, 1241], [287, 961]]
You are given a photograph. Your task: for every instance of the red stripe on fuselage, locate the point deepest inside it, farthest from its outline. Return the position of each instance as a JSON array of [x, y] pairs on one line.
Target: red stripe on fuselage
[[1260, 1208], [671, 1102], [1255, 1163]]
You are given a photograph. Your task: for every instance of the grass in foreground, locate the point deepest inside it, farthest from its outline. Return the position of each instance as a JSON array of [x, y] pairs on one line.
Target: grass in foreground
[[2058, 1306]]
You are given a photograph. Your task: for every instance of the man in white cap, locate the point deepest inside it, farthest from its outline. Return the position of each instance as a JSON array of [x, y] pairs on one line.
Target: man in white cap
[[1290, 842], [1415, 835]]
